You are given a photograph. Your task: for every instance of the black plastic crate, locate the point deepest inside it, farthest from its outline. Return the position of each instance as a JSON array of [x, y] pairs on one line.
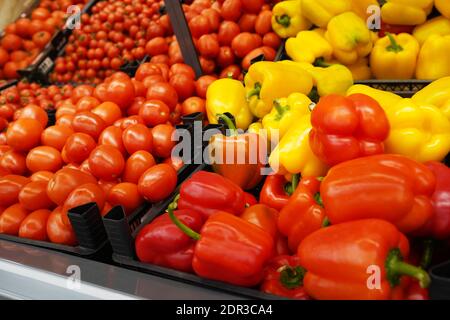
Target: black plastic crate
[[440, 282], [8, 84], [89, 231]]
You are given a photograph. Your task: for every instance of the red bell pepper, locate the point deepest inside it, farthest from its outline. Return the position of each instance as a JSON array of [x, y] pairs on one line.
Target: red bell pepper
[[303, 214], [394, 28], [439, 225], [266, 218], [207, 192], [389, 187], [163, 243], [283, 277], [346, 128], [276, 191], [357, 260], [250, 199], [229, 249], [238, 157]]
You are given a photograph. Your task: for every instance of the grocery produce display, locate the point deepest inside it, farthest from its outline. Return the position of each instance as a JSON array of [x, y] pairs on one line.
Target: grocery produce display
[[305, 180]]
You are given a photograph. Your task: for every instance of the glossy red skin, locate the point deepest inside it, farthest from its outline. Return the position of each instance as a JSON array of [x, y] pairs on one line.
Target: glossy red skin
[[165, 92], [272, 284], [11, 219], [106, 162], [24, 134], [78, 147], [136, 165], [58, 231], [14, 162], [89, 123], [112, 136], [137, 137], [83, 194], [56, 136], [154, 112], [127, 195], [157, 182], [10, 186], [118, 89], [164, 244], [345, 128], [162, 142], [273, 193], [33, 196], [44, 158], [34, 226]]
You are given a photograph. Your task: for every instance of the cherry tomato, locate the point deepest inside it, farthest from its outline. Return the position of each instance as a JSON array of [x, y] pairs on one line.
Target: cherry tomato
[[89, 123], [208, 46], [56, 136], [58, 231], [34, 226], [179, 68], [162, 140], [45, 176], [199, 25], [85, 193], [33, 196], [109, 112], [139, 88], [225, 57], [126, 122], [268, 52], [165, 92], [272, 40], [64, 182], [245, 42], [81, 91], [147, 69], [156, 46], [175, 162], [192, 105], [137, 137], [184, 85], [213, 17], [10, 186], [208, 65], [154, 112], [44, 158], [34, 112], [13, 162], [158, 182], [106, 162], [233, 72], [136, 165], [247, 22], [24, 134], [112, 136], [253, 6], [231, 10], [202, 84], [118, 89], [78, 147], [86, 103], [125, 194], [263, 23], [11, 219]]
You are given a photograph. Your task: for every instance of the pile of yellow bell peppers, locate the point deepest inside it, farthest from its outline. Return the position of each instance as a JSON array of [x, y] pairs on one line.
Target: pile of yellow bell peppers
[[338, 32]]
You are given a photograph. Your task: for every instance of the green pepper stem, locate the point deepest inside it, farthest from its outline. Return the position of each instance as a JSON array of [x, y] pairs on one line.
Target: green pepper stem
[[394, 46], [278, 107], [326, 222], [255, 91], [283, 20], [395, 268], [318, 199], [427, 255], [186, 230], [291, 277], [289, 188], [320, 62], [230, 125]]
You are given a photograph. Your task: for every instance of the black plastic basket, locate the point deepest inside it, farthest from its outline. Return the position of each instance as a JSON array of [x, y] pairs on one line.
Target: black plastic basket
[[89, 231], [8, 84], [440, 282]]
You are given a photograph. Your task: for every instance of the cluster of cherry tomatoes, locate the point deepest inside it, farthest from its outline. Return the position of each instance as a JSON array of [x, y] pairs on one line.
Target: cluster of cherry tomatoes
[[228, 34], [26, 37], [114, 33], [111, 144]]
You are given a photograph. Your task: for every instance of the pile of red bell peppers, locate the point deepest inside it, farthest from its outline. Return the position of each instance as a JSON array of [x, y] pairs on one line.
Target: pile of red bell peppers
[[342, 236]]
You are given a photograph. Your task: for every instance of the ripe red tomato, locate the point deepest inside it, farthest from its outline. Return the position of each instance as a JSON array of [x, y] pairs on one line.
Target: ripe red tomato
[[199, 25], [125, 194], [86, 103], [139, 89], [56, 136], [268, 52], [162, 140], [24, 134], [33, 196], [34, 226], [13, 162], [158, 182], [247, 22], [11, 219], [252, 6], [109, 112], [154, 112], [58, 231], [137, 137], [179, 68], [245, 42], [147, 69], [32, 111], [208, 46], [233, 72], [263, 23], [118, 89], [192, 105], [112, 136], [106, 162], [11, 42], [165, 92], [89, 123], [44, 158], [10, 186], [64, 182], [183, 84], [213, 17], [136, 165], [225, 57], [41, 38], [231, 10], [156, 46], [272, 40], [126, 122], [45, 176], [175, 162], [78, 147], [202, 84], [81, 91], [85, 193]]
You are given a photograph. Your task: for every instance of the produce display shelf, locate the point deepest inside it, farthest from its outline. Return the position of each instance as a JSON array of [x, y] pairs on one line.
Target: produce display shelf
[[36, 273]]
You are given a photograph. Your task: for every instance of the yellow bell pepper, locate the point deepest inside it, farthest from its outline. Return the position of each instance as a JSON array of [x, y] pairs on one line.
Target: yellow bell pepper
[[266, 81], [324, 77], [434, 58], [255, 127], [349, 37], [443, 7], [437, 94], [361, 70], [285, 112], [361, 7], [288, 20], [421, 132], [395, 57], [320, 12], [384, 98], [406, 12], [308, 46], [228, 95], [294, 155], [439, 26]]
